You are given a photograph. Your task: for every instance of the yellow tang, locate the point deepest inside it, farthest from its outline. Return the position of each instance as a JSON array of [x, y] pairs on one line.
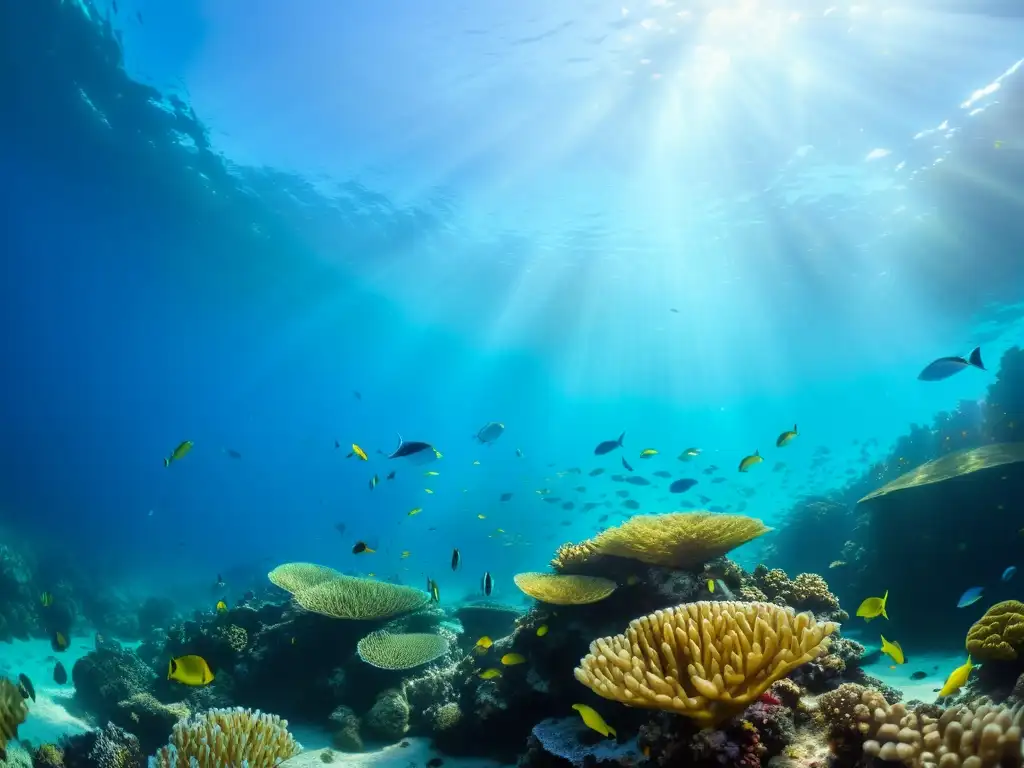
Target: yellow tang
[[484, 643], [711, 585], [178, 452], [594, 721], [957, 678], [873, 607], [190, 670], [490, 674], [786, 437], [542, 630], [751, 460], [893, 650], [415, 511], [222, 607], [46, 599], [646, 453], [357, 451], [511, 659]]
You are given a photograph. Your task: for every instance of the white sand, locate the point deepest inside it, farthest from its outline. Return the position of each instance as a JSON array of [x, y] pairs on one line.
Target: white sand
[[937, 667], [417, 753]]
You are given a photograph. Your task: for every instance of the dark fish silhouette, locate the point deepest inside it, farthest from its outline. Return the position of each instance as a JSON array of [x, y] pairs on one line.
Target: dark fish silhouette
[[232, 453], [60, 675], [944, 367], [609, 445], [414, 449], [682, 486], [456, 559], [596, 472], [625, 464], [638, 480], [505, 496]]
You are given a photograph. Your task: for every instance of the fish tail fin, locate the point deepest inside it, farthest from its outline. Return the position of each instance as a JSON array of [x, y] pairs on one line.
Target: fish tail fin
[[621, 438], [167, 462], [613, 732], [975, 359], [401, 442], [170, 668], [371, 551]]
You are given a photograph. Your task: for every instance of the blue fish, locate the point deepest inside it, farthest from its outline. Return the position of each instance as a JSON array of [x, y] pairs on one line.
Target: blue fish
[[609, 445], [970, 597], [1009, 572], [682, 486], [944, 367]]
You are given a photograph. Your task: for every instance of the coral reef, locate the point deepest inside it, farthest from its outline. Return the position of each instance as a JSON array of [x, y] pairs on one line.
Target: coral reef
[[386, 650], [563, 589], [110, 747], [345, 734], [222, 737], [388, 718], [807, 592]]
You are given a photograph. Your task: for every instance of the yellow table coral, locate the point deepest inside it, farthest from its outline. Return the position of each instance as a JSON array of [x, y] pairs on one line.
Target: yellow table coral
[[560, 589], [705, 660], [999, 634]]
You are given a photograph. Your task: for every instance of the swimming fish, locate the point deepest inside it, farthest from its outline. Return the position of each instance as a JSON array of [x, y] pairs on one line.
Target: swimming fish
[[837, 564], [435, 592], [519, 452], [373, 482], [873, 607], [970, 597], [490, 432], [786, 437], [489, 674], [232, 453], [638, 480], [711, 585], [646, 453], [511, 659], [58, 642], [689, 454], [505, 497], [609, 445], [682, 486], [405, 554], [481, 516], [1009, 573], [944, 367], [893, 650], [594, 721], [626, 464], [957, 678], [178, 453], [222, 607], [60, 675], [414, 511], [27, 689], [487, 585], [46, 599], [360, 548], [749, 461], [596, 472], [190, 670], [417, 452], [456, 559], [919, 675], [542, 630], [483, 644]]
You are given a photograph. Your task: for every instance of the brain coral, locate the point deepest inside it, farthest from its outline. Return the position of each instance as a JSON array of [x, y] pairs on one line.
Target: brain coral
[[228, 737], [705, 660], [999, 634], [562, 589], [681, 540], [394, 651], [292, 577], [349, 597]]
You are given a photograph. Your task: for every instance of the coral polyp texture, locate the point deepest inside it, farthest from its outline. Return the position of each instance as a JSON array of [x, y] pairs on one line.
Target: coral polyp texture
[[705, 660], [13, 711], [292, 577], [386, 650], [350, 597], [999, 634], [681, 540], [562, 589], [228, 737]]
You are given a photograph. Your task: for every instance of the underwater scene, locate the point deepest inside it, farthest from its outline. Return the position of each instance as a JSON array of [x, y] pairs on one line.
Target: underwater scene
[[548, 384]]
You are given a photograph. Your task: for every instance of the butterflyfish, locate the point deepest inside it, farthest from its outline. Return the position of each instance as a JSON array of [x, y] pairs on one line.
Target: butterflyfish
[[60, 675], [357, 451], [222, 607], [190, 670], [689, 453], [786, 437], [750, 461], [873, 607], [483, 644], [957, 678], [178, 453], [58, 642], [893, 651], [594, 721]]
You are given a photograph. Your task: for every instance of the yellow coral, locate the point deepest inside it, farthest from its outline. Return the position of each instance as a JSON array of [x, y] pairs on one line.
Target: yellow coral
[[401, 651], [561, 589], [13, 711], [446, 716], [228, 737], [348, 597], [677, 540], [292, 577], [999, 634], [705, 660]]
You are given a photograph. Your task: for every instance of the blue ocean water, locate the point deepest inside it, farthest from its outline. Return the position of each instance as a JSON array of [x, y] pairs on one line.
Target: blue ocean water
[[277, 229]]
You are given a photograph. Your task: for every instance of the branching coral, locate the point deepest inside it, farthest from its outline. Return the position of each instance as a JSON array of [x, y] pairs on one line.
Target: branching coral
[[562, 589], [705, 660], [681, 540], [355, 598], [999, 634], [222, 737], [393, 651]]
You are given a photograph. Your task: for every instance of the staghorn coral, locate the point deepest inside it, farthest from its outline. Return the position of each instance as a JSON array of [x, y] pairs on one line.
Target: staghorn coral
[[999, 634], [293, 577], [561, 589], [385, 650], [356, 598], [221, 737], [705, 660], [388, 718], [682, 540]]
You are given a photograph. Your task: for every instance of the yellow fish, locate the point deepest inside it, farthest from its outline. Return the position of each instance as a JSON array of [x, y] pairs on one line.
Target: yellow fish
[[190, 670], [594, 721], [542, 630], [178, 453], [957, 678], [428, 490], [751, 460], [484, 643], [786, 437], [405, 553], [873, 607], [437, 453], [689, 453], [46, 599], [489, 674], [58, 642], [711, 586], [357, 451], [893, 650], [646, 453], [511, 659], [499, 530], [415, 511], [431, 473], [222, 607]]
